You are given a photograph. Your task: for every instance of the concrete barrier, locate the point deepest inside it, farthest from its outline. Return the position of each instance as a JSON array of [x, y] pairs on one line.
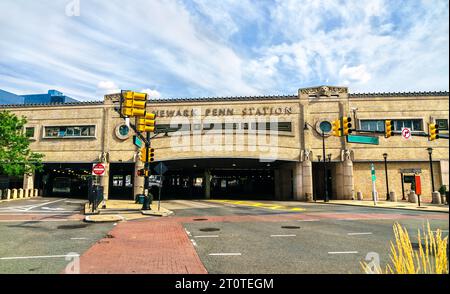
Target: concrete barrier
[[27, 193], [436, 197], [8, 194], [1, 194], [412, 197], [392, 196], [20, 193], [36, 192]]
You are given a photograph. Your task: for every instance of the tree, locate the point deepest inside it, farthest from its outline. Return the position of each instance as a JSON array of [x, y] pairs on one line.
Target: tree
[[16, 158]]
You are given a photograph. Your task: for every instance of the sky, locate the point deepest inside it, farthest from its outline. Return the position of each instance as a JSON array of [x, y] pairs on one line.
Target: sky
[[211, 48]]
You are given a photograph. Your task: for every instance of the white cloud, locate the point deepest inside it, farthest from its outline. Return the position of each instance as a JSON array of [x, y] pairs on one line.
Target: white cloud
[[107, 87], [152, 94], [355, 74]]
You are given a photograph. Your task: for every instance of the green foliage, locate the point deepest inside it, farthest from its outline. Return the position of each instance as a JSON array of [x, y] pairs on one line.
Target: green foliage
[[16, 157], [443, 189]]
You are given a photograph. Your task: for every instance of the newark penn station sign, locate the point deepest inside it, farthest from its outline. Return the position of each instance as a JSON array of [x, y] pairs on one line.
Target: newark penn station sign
[[248, 111]]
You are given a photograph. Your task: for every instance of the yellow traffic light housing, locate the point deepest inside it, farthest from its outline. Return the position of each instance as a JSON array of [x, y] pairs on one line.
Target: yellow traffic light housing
[[433, 132], [387, 128], [133, 103], [146, 123], [346, 125], [336, 128], [151, 154]]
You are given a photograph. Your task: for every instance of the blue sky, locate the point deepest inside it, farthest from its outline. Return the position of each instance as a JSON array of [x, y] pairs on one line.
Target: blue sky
[[202, 48]]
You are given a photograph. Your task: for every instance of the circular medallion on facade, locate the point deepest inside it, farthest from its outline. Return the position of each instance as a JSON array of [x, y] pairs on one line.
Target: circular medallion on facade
[[122, 131], [324, 126]]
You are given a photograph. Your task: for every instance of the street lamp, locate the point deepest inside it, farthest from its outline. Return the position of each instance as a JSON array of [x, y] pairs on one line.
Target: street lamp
[[319, 157], [329, 157], [430, 151], [385, 155]]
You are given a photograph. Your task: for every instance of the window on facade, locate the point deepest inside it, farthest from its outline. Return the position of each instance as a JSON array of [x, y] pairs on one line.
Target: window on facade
[[397, 125], [29, 132], [413, 124], [69, 131], [442, 124], [372, 125]]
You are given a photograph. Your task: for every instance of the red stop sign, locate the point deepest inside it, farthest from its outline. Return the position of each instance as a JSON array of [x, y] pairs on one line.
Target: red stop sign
[[98, 169]]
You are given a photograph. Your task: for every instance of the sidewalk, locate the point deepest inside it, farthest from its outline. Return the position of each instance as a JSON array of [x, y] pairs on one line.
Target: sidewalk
[[129, 210], [393, 205]]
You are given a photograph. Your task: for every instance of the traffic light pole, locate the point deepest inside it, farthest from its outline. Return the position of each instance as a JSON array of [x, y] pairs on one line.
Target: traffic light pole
[[148, 200], [325, 176]]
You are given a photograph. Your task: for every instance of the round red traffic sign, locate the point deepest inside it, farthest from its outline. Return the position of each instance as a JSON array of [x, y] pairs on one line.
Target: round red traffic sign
[[98, 169], [406, 133]]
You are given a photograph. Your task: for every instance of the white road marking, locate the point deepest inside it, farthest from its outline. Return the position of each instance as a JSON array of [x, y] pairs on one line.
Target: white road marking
[[355, 234], [52, 208], [78, 238], [193, 242], [343, 252], [283, 235], [38, 212], [36, 257], [225, 254], [46, 203], [37, 220], [207, 236]]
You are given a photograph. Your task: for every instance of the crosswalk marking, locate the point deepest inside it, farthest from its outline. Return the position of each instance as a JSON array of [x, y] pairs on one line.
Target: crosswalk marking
[[259, 205]]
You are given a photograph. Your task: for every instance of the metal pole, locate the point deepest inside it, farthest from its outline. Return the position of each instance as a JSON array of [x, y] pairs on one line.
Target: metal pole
[[325, 167], [432, 175], [403, 187], [387, 180], [147, 201], [160, 186]]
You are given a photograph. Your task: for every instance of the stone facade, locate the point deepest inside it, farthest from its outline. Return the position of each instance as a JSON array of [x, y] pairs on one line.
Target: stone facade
[[296, 148]]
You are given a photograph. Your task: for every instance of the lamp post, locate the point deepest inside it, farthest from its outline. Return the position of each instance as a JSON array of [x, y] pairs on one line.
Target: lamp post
[[385, 155], [329, 157], [430, 151], [319, 157]]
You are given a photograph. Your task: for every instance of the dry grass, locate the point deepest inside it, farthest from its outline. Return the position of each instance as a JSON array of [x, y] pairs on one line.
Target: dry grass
[[430, 258]]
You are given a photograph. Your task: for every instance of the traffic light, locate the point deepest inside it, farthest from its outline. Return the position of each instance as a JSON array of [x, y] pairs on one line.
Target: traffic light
[[433, 132], [151, 155], [133, 103], [346, 125], [142, 172], [387, 128], [146, 123], [336, 128]]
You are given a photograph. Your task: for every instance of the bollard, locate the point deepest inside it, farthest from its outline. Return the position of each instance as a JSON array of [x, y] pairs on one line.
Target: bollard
[[309, 197], [359, 196], [20, 193], [392, 196], [36, 192], [14, 194], [436, 197], [8, 194], [412, 197], [1, 194]]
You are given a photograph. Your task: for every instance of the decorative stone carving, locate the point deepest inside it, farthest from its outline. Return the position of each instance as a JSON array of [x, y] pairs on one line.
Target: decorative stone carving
[[324, 91]]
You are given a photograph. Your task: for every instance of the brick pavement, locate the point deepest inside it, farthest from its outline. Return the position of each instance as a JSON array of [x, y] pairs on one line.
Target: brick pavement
[[147, 246]]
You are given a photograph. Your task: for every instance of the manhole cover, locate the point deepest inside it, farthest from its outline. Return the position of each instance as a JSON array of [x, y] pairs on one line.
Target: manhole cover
[[69, 227], [209, 230], [290, 227], [200, 219]]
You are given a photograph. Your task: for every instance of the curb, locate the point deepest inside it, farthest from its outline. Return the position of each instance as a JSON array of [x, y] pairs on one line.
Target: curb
[[103, 218], [402, 208], [156, 213]]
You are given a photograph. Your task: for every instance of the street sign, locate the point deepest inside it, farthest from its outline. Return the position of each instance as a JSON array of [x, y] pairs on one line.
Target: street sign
[[161, 168], [137, 141], [406, 133], [98, 169], [363, 139]]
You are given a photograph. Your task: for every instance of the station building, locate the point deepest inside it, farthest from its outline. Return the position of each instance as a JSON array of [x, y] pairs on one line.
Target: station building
[[264, 147]]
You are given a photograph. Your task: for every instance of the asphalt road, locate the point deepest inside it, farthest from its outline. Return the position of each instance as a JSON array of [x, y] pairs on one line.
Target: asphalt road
[[42, 235], [263, 237], [317, 244]]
